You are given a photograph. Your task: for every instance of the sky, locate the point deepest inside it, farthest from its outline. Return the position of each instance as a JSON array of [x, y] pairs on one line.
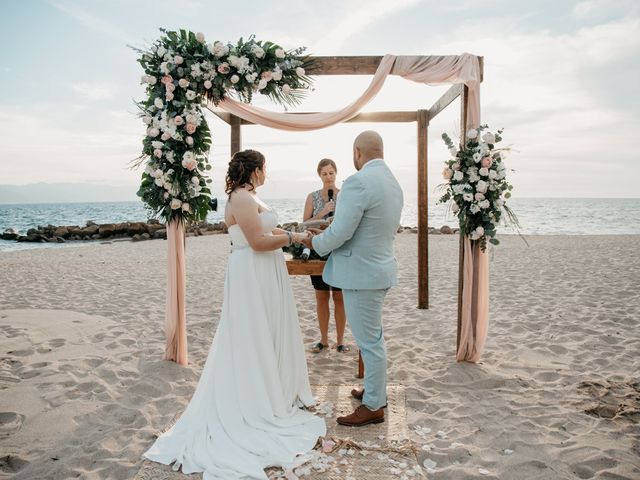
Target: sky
[[560, 78]]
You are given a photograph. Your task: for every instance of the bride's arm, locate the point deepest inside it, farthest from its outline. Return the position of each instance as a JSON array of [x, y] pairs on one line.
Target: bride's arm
[[245, 212]]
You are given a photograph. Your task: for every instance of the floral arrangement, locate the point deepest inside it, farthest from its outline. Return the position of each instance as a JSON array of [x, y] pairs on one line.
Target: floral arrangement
[[477, 186], [181, 73]]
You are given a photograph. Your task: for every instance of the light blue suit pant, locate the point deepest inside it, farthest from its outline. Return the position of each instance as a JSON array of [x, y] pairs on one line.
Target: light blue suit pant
[[364, 313]]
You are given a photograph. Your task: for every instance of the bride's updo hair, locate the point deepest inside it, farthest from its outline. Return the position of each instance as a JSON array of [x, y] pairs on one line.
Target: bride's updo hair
[[241, 167]]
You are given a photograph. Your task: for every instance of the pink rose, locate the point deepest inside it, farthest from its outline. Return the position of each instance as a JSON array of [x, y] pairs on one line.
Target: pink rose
[[179, 120], [190, 164], [170, 87], [447, 173], [268, 75], [166, 80], [191, 128], [169, 96], [487, 162], [165, 136], [224, 68]]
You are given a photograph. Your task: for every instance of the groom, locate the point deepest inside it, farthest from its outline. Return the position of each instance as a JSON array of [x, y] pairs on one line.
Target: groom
[[362, 263]]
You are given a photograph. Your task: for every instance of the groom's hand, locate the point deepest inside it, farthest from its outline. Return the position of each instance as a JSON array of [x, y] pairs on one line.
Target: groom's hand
[[306, 241]]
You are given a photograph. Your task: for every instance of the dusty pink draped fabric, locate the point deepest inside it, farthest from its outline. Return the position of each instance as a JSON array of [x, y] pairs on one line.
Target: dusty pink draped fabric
[[455, 69], [175, 320]]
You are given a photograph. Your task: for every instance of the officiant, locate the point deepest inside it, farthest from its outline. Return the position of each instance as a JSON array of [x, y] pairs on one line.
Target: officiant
[[320, 205]]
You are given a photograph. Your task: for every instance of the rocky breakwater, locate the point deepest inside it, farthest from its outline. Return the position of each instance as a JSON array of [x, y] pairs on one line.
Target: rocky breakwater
[[135, 231]]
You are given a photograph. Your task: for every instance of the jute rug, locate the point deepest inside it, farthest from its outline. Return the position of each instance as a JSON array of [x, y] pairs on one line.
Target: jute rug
[[374, 452]]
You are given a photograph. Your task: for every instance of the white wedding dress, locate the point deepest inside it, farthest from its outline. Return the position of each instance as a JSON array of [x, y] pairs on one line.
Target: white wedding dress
[[245, 413]]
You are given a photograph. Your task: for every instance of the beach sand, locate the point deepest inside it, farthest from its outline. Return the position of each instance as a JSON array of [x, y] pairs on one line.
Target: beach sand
[[84, 389]]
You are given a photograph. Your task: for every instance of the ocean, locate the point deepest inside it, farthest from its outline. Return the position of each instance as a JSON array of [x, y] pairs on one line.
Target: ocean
[[538, 216]]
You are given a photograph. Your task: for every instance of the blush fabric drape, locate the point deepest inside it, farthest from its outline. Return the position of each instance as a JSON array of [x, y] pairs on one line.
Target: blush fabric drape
[[175, 320]]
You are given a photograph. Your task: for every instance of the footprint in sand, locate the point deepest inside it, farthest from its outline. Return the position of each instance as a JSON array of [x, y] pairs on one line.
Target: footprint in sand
[[12, 464], [57, 342], [21, 353], [10, 423]]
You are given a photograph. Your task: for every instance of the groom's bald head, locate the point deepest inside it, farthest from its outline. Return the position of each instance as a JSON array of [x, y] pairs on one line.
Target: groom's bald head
[[367, 146]]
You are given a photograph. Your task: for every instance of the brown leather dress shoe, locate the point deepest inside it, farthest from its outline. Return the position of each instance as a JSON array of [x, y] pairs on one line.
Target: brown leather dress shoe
[[358, 394], [362, 416]]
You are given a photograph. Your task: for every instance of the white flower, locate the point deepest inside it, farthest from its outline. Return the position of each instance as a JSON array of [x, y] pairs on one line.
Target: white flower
[[190, 95], [484, 204], [178, 60], [471, 134], [189, 141], [158, 102], [195, 180], [458, 176], [258, 51], [153, 132], [149, 169], [457, 189], [219, 49], [186, 207], [286, 88], [277, 74], [235, 79], [467, 197], [493, 174], [262, 84], [176, 204], [455, 208], [479, 231], [474, 208], [477, 157], [207, 84], [161, 51], [479, 197], [484, 172], [200, 37], [300, 71], [157, 144], [489, 138], [473, 176], [188, 155], [159, 181], [166, 195], [146, 120], [158, 173], [169, 96], [456, 166], [482, 186], [499, 203], [191, 119], [183, 82], [280, 53]]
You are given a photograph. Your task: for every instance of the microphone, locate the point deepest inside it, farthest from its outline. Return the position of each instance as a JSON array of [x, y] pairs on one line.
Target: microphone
[[330, 195]]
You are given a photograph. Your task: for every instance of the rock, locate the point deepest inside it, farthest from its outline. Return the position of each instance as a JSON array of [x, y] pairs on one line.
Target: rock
[[413, 230], [153, 221], [435, 232], [32, 231], [107, 230], [91, 229], [74, 231], [60, 240], [162, 233], [446, 230], [95, 236], [136, 228], [135, 238], [91, 223], [154, 227], [145, 236], [221, 227], [61, 232], [86, 237], [9, 234]]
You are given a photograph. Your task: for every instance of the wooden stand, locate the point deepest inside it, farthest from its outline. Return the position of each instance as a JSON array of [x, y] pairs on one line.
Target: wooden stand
[[310, 267]]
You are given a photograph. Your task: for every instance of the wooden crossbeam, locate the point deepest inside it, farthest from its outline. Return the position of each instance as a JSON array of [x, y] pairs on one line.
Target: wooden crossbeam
[[449, 96], [362, 65]]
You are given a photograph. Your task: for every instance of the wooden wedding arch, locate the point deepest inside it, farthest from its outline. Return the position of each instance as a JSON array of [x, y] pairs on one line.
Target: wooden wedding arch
[[367, 65]]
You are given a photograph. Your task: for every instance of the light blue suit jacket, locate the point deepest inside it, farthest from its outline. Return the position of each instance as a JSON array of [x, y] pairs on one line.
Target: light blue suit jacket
[[360, 238]]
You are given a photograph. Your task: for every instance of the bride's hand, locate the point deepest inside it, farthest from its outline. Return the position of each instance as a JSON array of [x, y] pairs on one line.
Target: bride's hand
[[301, 237]]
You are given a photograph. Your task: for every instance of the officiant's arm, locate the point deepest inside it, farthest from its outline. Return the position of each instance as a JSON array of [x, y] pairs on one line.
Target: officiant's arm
[[349, 211]]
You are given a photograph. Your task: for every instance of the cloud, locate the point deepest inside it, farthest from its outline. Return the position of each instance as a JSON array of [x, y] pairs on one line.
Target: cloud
[[95, 91], [92, 21]]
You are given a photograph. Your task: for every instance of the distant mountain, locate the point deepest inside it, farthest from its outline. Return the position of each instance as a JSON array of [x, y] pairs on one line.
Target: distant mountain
[[66, 192]]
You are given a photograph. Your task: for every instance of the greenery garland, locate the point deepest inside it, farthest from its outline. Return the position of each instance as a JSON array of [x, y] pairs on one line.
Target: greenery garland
[[182, 72]]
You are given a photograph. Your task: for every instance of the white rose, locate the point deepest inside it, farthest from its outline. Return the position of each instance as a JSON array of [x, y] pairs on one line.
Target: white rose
[[479, 197], [161, 51], [183, 82], [489, 138], [479, 231], [200, 37], [482, 186], [153, 132], [484, 204], [286, 88], [159, 182], [277, 75], [262, 84], [157, 144], [188, 155], [477, 157], [455, 166], [207, 84], [493, 174], [471, 134], [300, 71], [474, 208], [166, 195], [280, 53], [178, 60], [484, 172], [146, 120], [169, 96], [195, 180], [467, 197], [157, 173], [191, 119], [165, 136], [499, 203], [190, 95], [458, 176], [235, 79], [158, 102], [258, 51], [176, 204], [189, 141]]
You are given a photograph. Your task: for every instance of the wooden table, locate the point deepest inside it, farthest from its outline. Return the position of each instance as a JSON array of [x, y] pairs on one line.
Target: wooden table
[[315, 267]]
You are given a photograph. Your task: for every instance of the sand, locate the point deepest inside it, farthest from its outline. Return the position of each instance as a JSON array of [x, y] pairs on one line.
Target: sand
[[83, 388]]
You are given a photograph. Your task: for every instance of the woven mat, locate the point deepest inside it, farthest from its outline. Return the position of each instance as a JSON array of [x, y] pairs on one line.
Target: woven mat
[[374, 452]]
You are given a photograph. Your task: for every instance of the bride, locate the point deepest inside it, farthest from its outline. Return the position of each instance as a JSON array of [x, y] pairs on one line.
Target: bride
[[246, 413]]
